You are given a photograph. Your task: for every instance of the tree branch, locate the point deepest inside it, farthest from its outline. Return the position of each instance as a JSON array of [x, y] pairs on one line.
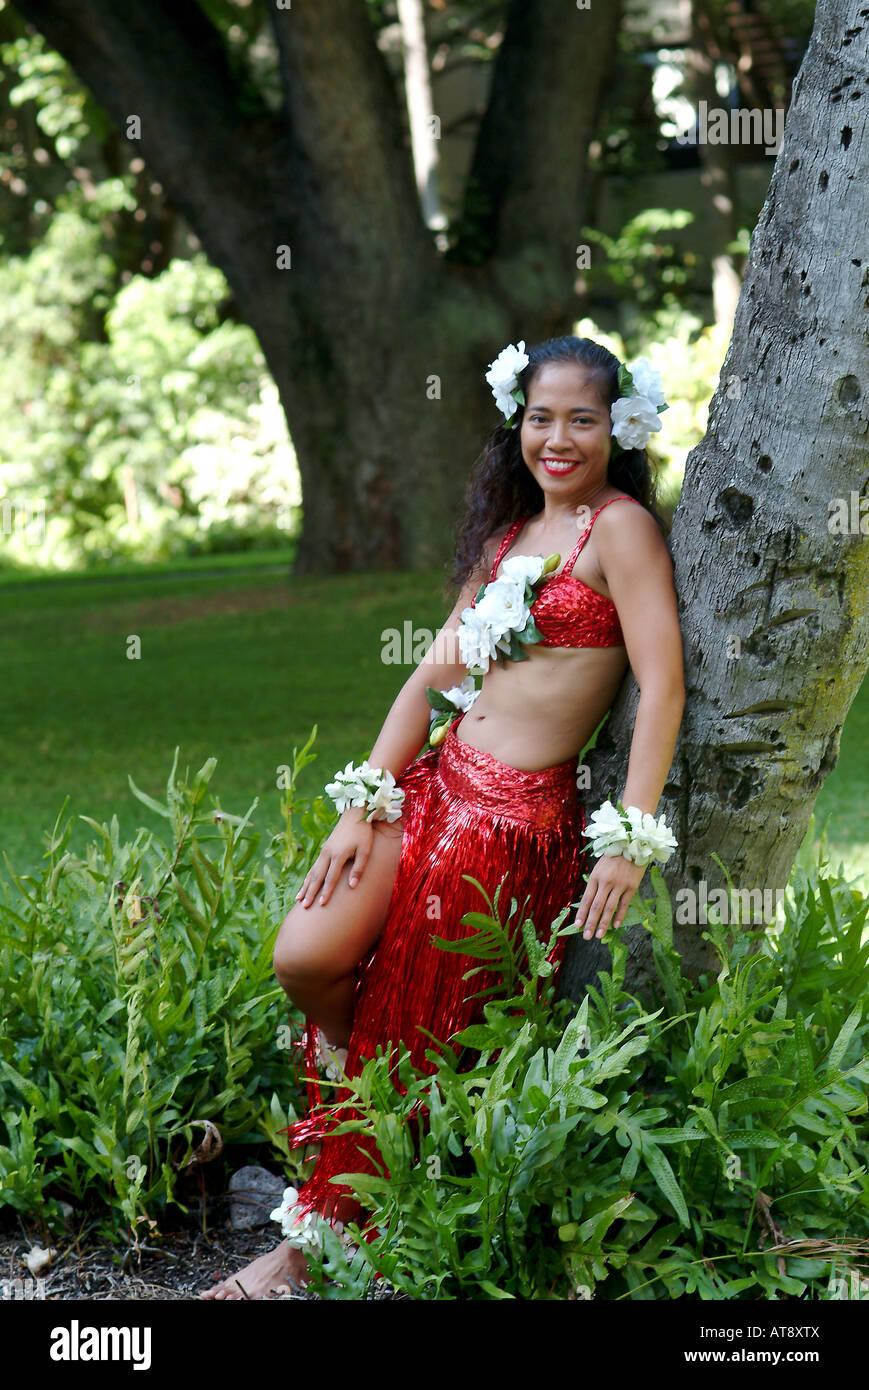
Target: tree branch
[[348, 137], [525, 186], [163, 61]]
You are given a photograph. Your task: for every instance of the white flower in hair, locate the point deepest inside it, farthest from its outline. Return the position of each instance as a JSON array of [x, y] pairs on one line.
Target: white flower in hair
[[634, 414], [503, 377], [648, 381], [635, 420]]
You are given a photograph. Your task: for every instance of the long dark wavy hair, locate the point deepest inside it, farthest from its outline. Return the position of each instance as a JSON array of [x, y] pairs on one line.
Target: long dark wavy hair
[[502, 488]]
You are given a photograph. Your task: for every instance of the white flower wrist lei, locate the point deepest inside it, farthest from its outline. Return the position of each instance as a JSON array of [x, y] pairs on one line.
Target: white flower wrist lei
[[367, 786], [631, 832]]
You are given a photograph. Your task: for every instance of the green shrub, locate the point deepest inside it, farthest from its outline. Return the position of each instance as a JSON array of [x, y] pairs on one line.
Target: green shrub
[[631, 1149], [141, 421], [708, 1140], [140, 1005]]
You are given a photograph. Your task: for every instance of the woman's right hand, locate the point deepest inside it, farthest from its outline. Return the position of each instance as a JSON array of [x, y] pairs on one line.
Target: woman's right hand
[[352, 838]]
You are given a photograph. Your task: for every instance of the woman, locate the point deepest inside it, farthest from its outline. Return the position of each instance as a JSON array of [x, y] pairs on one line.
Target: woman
[[498, 797]]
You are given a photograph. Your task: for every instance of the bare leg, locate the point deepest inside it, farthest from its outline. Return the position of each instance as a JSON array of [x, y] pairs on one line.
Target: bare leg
[[319, 946], [316, 954], [329, 1004]]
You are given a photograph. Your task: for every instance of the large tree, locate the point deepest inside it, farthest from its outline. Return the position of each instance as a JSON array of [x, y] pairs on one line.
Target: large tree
[[769, 538], [376, 341]]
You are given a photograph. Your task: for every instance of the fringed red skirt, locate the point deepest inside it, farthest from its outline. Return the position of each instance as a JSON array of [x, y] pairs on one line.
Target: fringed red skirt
[[464, 812]]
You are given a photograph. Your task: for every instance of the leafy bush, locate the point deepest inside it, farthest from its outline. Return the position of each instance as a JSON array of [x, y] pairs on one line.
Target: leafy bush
[[141, 422], [140, 1005], [708, 1140], [634, 1149]]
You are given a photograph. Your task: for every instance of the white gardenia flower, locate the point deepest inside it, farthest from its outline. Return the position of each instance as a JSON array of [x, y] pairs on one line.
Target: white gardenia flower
[[476, 640], [386, 798], [304, 1231], [462, 696], [610, 836], [501, 610], [300, 1231], [503, 376], [347, 789], [634, 419], [503, 606], [288, 1202], [647, 381], [367, 774], [519, 568], [366, 786], [651, 839]]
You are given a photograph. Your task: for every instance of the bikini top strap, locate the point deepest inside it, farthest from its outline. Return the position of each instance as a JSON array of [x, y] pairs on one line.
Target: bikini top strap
[[511, 532], [577, 549]]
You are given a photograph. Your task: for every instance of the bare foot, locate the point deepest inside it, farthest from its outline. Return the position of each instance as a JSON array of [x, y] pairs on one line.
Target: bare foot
[[263, 1276]]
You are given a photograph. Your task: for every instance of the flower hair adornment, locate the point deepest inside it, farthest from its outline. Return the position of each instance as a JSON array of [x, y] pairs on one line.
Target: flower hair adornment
[[635, 413], [503, 377]]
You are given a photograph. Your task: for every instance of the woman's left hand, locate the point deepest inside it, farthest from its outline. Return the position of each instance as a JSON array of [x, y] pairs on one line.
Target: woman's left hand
[[608, 892]]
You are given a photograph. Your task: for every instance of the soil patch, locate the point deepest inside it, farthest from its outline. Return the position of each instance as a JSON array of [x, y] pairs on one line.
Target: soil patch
[[180, 1267]]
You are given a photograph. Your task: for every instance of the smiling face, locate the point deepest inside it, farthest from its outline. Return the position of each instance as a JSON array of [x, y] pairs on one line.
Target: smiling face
[[566, 431]]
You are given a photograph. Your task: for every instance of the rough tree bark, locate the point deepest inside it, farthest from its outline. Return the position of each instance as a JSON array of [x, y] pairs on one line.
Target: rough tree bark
[[773, 592], [377, 344]]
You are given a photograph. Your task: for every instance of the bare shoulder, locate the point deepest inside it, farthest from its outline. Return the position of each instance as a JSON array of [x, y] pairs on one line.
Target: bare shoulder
[[622, 528], [629, 548]]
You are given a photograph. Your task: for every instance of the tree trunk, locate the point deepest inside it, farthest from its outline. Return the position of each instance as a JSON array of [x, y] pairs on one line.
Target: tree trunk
[[717, 170], [378, 345], [420, 112], [769, 537]]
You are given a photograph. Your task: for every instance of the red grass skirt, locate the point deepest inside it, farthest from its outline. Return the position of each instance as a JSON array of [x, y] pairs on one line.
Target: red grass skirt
[[464, 812]]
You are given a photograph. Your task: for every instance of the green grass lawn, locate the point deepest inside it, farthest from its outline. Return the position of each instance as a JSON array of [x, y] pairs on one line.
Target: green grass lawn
[[239, 666]]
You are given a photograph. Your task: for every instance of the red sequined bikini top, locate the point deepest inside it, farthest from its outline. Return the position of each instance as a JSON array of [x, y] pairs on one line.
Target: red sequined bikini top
[[567, 611]]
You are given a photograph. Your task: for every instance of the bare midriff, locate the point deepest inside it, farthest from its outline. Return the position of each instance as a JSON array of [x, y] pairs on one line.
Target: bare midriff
[[537, 713]]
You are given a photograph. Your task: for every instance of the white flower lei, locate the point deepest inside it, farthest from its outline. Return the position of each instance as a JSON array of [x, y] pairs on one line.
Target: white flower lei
[[446, 704], [501, 623], [367, 786], [634, 414], [636, 834]]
